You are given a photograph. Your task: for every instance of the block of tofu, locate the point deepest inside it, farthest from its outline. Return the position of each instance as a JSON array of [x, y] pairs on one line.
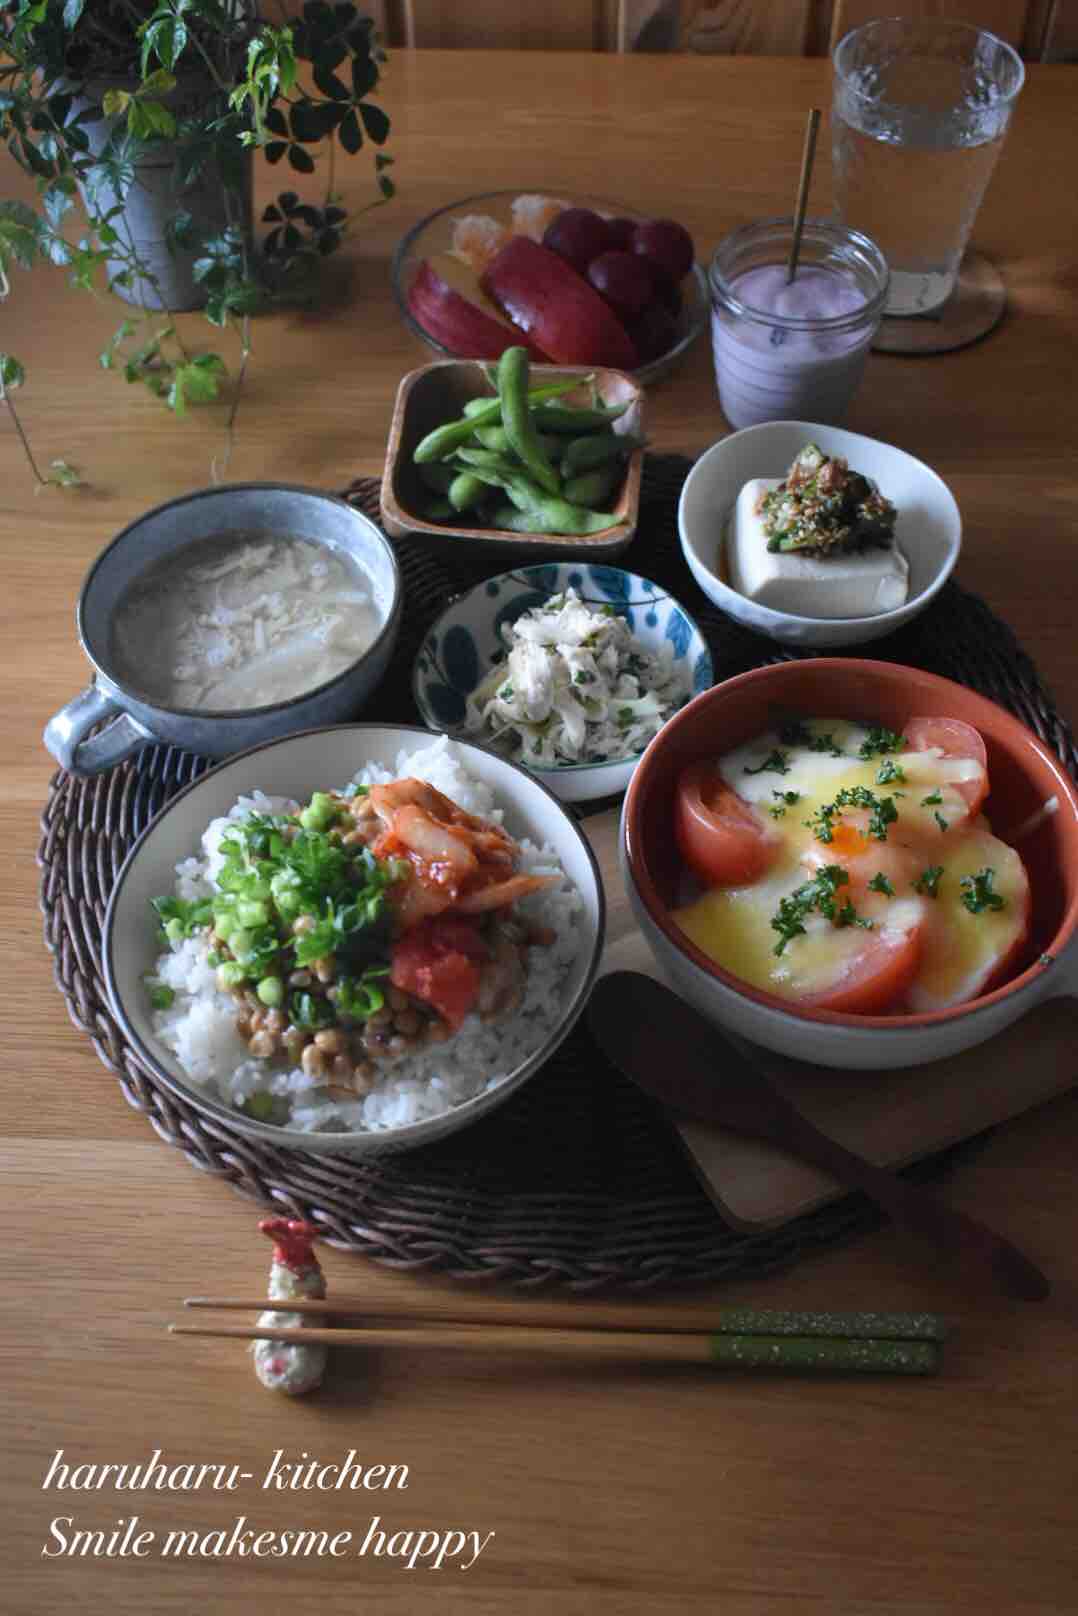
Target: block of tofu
[[861, 585]]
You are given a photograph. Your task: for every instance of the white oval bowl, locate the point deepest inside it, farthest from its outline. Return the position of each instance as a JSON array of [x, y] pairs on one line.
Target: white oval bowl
[[928, 530], [294, 767]]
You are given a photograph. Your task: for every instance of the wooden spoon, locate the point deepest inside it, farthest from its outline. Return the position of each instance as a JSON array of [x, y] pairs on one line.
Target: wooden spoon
[[679, 1057]]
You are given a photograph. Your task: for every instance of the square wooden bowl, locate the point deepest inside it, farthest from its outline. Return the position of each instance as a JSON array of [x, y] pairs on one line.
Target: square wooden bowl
[[437, 393]]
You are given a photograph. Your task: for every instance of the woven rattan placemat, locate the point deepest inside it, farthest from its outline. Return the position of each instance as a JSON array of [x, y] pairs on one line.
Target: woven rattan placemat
[[576, 1181]]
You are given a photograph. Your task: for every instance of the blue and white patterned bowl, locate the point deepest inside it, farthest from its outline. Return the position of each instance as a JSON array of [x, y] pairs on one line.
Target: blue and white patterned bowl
[[465, 643]]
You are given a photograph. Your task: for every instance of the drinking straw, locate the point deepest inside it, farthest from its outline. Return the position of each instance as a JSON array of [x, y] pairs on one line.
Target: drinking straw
[[807, 156]]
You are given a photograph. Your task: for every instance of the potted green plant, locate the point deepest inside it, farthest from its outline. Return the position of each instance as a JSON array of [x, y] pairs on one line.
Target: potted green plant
[[145, 115]]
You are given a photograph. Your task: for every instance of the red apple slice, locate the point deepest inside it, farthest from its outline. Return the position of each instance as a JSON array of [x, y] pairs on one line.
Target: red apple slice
[[449, 303], [556, 307]]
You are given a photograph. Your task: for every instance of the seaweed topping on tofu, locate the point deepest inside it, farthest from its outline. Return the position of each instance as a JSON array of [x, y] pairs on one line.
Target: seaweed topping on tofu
[[823, 509]]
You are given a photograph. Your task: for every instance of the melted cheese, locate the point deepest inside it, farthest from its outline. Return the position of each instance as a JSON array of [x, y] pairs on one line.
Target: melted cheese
[[958, 951]]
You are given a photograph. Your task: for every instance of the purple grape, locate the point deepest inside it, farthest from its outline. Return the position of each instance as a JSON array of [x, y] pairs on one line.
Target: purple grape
[[666, 244], [621, 234], [578, 235], [624, 280]]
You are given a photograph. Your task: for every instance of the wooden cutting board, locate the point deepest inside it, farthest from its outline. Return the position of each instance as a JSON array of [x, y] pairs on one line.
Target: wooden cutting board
[[891, 1117]]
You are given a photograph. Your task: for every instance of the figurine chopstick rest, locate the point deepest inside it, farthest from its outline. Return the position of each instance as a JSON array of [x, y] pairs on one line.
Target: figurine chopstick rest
[[285, 1366]]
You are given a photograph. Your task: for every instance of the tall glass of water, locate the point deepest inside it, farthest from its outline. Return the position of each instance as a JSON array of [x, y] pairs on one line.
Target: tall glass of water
[[920, 112]]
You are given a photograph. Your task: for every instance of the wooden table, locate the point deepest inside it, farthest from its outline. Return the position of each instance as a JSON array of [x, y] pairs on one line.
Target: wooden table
[[607, 1492]]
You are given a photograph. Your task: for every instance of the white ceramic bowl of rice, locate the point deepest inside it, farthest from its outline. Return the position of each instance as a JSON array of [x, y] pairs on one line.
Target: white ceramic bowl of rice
[[193, 1045]]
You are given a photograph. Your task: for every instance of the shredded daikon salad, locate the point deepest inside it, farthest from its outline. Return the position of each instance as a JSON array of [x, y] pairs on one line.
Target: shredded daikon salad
[[575, 687], [243, 620]]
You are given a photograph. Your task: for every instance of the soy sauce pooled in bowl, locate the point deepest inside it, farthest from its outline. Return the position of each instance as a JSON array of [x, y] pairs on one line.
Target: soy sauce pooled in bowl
[[243, 620]]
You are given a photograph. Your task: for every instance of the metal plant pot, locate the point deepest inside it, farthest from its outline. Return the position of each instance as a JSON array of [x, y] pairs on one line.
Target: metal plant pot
[[155, 198]]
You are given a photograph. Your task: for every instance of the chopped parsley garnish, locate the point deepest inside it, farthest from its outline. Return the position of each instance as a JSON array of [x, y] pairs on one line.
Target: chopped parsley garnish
[[883, 813], [928, 882], [880, 740], [794, 733], [940, 821], [890, 771], [880, 883], [820, 896], [505, 693], [784, 800], [625, 716], [775, 761], [977, 893], [825, 743], [933, 799], [583, 677]]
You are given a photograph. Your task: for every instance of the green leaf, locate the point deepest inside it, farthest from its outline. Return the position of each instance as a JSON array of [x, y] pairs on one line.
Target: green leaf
[[180, 232], [114, 103], [350, 135], [62, 474], [314, 120], [330, 84], [72, 12], [364, 76], [148, 119], [20, 234], [375, 123], [12, 373], [300, 160]]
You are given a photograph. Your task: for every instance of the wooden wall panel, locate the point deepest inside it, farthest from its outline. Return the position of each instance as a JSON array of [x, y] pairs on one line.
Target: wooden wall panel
[[1060, 43], [1007, 18], [729, 27], [1041, 29]]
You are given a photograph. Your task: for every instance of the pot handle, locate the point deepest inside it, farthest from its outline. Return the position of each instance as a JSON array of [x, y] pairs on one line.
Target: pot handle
[[66, 731]]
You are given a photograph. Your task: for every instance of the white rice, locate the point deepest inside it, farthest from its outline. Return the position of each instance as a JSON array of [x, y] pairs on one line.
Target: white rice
[[199, 1027]]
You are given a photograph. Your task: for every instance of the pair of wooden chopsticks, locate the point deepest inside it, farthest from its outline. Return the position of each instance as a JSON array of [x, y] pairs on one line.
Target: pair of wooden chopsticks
[[744, 1338]]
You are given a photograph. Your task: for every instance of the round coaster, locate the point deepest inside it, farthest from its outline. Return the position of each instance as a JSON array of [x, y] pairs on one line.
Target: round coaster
[[974, 308]]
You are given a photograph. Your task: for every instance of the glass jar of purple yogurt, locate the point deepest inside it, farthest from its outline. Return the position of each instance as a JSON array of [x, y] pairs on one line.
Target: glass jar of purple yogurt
[[793, 350]]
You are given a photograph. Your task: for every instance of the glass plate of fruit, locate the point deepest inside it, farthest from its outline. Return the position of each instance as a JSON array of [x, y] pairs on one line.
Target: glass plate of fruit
[[578, 280]]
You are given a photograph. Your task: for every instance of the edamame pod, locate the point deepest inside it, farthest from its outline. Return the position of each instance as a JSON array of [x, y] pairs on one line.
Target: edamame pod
[[496, 437], [520, 427], [584, 454], [554, 516], [593, 488], [562, 418], [466, 490]]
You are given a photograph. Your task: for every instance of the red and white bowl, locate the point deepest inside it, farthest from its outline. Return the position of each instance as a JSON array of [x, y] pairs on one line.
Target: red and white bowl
[[1024, 775]]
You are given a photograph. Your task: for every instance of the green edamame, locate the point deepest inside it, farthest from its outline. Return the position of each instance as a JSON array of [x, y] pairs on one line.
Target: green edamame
[[584, 454], [593, 487], [487, 412], [585, 418], [466, 490], [554, 516], [517, 418]]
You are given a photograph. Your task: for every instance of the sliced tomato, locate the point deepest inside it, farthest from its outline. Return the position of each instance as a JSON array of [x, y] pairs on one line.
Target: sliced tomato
[[439, 962], [878, 979], [954, 739], [722, 838]]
